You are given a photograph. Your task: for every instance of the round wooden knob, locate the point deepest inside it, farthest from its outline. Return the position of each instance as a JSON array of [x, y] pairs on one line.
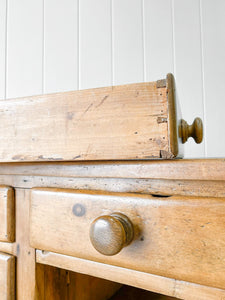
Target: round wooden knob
[[194, 130], [109, 234]]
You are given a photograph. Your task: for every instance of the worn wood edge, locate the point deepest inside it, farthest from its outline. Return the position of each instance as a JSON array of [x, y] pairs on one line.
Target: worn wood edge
[[124, 185], [11, 270], [9, 201], [12, 277], [154, 283], [193, 169], [11, 214], [172, 117], [10, 248]]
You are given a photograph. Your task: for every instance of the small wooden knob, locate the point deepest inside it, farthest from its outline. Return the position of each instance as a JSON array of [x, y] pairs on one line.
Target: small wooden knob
[[109, 234], [194, 130]]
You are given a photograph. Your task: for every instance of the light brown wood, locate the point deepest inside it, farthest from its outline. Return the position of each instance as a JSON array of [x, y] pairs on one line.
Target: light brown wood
[[7, 277], [7, 214], [25, 271], [177, 237], [158, 284], [57, 284], [121, 122], [187, 177], [10, 248], [126, 185], [180, 169]]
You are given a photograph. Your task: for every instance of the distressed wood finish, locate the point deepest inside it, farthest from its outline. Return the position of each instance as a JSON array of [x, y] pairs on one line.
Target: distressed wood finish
[[7, 214], [163, 230], [7, 277], [155, 283], [121, 122], [179, 169], [25, 254], [124, 185]]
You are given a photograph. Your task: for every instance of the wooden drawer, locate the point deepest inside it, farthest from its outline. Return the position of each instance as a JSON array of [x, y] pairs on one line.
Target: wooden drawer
[[7, 277], [178, 237], [7, 214], [135, 121]]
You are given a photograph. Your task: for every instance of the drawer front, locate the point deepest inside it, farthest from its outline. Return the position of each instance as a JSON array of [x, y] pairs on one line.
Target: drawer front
[[7, 214], [7, 277], [177, 237]]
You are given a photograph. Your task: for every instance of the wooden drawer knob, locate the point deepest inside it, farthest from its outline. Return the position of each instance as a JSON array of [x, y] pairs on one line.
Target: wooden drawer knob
[[109, 234], [194, 130]]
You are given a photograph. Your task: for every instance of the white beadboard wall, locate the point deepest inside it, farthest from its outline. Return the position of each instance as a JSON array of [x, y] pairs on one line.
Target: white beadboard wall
[[53, 45]]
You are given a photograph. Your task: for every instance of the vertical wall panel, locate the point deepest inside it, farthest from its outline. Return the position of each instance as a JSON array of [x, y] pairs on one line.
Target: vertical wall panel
[[60, 45], [95, 43], [127, 31], [158, 33], [24, 48], [2, 47], [213, 28], [188, 66]]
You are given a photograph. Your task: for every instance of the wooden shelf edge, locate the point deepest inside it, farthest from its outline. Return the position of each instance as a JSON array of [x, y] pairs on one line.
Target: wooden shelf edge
[[154, 283]]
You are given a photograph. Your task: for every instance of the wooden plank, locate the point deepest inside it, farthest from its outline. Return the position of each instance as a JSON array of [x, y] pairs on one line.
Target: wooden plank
[[3, 29], [123, 185], [158, 38], [24, 48], [95, 53], [25, 270], [56, 284], [163, 228], [213, 54], [202, 169], [122, 122], [60, 46], [158, 284], [7, 277], [186, 20], [7, 214], [127, 45]]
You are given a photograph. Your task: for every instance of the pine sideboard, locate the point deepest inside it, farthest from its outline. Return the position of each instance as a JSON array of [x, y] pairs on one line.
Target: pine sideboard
[[177, 211], [95, 202]]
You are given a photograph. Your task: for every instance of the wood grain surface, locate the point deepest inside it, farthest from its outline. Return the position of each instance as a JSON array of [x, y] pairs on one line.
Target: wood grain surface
[[120, 122], [58, 284], [25, 254], [178, 237], [124, 185], [7, 214], [179, 169], [155, 283], [7, 277]]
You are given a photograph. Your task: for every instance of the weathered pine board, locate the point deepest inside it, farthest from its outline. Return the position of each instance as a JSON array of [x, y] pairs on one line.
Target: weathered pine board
[[170, 234], [122, 122], [179, 169]]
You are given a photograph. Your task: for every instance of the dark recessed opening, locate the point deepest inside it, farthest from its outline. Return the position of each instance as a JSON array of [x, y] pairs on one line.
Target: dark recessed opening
[[160, 196]]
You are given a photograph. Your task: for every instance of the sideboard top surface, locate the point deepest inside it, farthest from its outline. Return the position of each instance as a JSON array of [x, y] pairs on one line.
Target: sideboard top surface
[[179, 169]]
